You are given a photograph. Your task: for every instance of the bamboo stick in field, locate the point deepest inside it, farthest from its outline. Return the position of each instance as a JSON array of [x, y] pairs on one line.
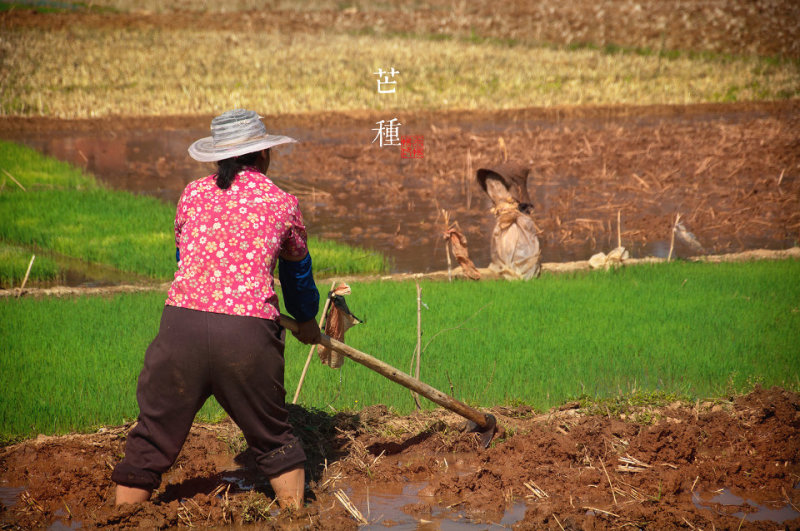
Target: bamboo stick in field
[[446, 216], [24, 190], [672, 238], [468, 179], [619, 229], [419, 337], [449, 263], [313, 348], [27, 273]]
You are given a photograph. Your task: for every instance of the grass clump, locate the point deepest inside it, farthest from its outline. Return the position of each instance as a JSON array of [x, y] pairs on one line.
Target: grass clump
[[172, 71], [665, 331], [66, 211], [14, 263], [255, 507], [636, 405]]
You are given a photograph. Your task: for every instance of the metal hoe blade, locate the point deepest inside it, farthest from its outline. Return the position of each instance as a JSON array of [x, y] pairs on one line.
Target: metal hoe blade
[[485, 434]]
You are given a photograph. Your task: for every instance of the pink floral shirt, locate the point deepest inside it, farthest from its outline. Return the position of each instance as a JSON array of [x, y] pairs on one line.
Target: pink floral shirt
[[229, 242]]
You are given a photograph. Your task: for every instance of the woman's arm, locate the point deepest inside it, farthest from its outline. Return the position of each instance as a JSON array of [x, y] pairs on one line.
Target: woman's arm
[[300, 295]]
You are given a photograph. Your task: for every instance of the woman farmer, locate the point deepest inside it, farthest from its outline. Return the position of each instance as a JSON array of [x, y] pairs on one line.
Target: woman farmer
[[220, 333]]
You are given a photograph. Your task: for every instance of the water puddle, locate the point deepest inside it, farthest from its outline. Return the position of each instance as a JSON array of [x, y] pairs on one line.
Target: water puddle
[[407, 506], [400, 505], [9, 496], [752, 511], [61, 525], [73, 272], [246, 480]]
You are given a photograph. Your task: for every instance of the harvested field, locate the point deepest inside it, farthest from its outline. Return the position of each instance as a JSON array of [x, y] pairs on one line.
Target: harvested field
[[455, 57], [727, 464], [762, 27]]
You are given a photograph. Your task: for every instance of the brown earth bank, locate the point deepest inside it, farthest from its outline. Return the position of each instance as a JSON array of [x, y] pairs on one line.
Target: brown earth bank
[[731, 463], [731, 170], [763, 27]]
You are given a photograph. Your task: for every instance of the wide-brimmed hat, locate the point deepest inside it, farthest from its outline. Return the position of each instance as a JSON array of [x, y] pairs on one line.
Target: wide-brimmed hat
[[512, 174], [235, 133]]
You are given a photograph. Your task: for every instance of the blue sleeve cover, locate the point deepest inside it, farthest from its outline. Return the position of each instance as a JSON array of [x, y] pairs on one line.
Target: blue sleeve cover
[[300, 294]]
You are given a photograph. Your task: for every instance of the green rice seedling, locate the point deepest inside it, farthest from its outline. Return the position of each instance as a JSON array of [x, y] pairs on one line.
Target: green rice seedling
[[58, 208], [686, 329], [14, 263], [561, 337], [332, 258], [72, 364]]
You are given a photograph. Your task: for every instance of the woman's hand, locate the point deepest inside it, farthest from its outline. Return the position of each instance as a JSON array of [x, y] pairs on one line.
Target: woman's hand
[[308, 332]]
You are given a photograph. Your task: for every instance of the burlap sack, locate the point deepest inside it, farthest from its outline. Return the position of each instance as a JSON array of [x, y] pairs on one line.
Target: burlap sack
[[515, 249]]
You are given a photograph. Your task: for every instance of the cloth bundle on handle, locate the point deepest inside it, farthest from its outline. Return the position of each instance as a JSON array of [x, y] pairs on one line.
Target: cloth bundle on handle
[[515, 247], [337, 321]]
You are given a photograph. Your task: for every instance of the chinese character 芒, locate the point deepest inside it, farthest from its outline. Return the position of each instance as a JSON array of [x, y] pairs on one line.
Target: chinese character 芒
[[386, 81], [388, 133], [412, 146]]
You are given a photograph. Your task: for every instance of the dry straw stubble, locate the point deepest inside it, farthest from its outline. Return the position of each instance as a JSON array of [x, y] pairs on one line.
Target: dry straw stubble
[[102, 72]]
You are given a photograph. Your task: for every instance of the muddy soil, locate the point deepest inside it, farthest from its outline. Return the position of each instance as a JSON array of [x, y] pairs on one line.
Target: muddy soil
[[731, 170], [724, 464]]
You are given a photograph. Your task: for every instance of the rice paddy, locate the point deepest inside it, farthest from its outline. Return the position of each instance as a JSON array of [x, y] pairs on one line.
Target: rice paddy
[[48, 207], [696, 330]]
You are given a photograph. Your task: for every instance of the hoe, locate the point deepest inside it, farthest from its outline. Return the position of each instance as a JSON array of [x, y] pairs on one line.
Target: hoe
[[482, 423]]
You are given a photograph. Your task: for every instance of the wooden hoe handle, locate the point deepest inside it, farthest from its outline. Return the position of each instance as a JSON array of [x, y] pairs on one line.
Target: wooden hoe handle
[[482, 420]]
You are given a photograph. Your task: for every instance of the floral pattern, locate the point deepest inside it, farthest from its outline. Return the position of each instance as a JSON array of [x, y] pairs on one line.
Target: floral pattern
[[229, 242]]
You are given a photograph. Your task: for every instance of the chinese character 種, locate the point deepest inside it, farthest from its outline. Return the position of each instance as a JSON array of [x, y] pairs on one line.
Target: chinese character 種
[[412, 147], [388, 132], [380, 73]]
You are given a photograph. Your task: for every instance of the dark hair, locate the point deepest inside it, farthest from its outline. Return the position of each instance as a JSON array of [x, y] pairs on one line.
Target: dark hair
[[228, 168]]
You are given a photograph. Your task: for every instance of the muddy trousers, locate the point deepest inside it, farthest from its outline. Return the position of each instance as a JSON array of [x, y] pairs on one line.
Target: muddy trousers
[[238, 360]]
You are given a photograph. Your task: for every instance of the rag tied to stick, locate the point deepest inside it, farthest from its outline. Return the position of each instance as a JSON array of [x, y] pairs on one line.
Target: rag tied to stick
[[338, 320], [458, 244]]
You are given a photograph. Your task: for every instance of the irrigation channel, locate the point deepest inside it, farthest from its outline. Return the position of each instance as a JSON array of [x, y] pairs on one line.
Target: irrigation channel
[[731, 170]]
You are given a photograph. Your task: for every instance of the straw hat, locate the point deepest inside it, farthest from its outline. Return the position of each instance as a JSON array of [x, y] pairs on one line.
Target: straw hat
[[514, 177], [235, 133]]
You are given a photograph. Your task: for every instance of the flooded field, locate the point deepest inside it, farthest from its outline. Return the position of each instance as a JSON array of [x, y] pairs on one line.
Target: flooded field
[[731, 171]]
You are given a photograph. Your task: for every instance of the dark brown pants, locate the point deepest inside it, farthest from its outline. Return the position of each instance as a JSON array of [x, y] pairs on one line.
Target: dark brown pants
[[197, 354]]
